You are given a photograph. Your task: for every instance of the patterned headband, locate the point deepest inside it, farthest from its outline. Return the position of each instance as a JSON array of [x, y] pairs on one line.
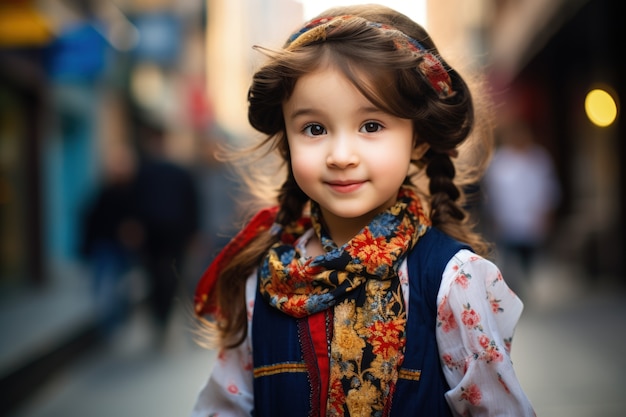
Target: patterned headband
[[429, 65]]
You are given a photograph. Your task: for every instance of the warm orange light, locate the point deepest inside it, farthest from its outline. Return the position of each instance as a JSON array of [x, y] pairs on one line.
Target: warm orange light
[[600, 107], [22, 25]]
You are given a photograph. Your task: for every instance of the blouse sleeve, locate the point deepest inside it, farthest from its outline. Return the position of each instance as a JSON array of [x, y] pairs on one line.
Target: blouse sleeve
[[228, 391], [476, 318]]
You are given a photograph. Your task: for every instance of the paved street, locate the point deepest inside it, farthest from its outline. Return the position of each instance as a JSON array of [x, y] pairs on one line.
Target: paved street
[[568, 352], [130, 377]]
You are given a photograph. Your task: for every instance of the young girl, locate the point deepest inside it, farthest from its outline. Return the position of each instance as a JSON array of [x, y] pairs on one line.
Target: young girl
[[359, 293]]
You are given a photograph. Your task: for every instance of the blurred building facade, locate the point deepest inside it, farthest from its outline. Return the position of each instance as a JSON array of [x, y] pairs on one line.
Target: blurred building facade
[[545, 57], [77, 75], [541, 58], [71, 95]]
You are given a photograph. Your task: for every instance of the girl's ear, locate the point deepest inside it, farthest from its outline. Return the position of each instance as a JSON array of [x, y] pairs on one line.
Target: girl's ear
[[419, 150]]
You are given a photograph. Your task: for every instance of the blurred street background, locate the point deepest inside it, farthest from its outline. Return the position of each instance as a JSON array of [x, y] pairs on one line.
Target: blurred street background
[[112, 202]]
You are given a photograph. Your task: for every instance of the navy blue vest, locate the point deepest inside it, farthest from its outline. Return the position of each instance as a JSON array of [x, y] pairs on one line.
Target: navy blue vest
[[286, 374]]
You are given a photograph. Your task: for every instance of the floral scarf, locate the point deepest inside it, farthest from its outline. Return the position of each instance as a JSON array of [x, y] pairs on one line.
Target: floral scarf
[[359, 281]]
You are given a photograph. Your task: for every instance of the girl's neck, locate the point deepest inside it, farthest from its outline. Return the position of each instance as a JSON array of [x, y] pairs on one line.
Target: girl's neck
[[340, 236], [342, 230]]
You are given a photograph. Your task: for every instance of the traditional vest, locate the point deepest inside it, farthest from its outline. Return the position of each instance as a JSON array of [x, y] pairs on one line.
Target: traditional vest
[[287, 378]]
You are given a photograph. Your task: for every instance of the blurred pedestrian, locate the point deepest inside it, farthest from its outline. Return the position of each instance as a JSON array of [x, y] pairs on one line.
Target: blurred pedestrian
[[522, 193], [111, 236], [168, 208]]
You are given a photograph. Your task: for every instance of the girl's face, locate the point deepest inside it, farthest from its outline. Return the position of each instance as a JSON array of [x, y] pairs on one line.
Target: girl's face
[[346, 154]]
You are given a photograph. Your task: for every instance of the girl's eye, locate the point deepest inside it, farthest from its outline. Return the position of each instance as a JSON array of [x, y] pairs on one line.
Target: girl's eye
[[314, 129], [371, 127]]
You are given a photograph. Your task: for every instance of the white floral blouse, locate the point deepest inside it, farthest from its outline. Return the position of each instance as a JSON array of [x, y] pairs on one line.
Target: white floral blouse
[[476, 318]]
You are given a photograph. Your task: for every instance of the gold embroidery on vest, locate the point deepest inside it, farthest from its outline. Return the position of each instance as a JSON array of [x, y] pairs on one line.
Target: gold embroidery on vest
[[278, 368], [410, 374]]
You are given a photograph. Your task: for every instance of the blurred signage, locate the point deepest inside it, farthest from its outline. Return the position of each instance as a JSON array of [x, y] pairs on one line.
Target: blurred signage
[[21, 25]]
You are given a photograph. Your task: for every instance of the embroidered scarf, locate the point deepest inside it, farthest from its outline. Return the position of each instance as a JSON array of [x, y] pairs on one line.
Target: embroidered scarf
[[359, 281]]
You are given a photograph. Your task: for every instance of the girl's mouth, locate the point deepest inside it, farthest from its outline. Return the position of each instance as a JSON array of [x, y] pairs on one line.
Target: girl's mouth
[[345, 186]]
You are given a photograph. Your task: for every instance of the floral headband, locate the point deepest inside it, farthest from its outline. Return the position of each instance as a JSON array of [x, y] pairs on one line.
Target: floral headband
[[429, 66]]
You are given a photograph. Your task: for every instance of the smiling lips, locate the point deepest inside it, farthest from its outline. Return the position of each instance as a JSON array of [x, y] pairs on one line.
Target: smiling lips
[[345, 186]]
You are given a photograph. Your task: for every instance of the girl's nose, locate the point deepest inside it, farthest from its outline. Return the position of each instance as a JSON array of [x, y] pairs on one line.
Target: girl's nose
[[343, 152]]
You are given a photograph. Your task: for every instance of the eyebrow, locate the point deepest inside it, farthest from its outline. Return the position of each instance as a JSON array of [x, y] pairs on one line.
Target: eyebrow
[[307, 111]]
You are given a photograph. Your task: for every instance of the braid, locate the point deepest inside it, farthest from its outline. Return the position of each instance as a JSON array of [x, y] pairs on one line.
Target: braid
[[444, 193], [446, 199], [291, 199]]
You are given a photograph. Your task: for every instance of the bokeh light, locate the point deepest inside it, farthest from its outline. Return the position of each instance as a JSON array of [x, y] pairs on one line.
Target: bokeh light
[[600, 107]]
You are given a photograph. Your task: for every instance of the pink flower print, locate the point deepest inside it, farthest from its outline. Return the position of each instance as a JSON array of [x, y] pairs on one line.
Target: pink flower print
[[404, 280], [443, 305], [463, 280], [472, 394], [447, 360], [233, 389], [470, 318], [491, 352], [445, 317], [484, 341], [499, 277], [507, 343], [447, 322], [495, 304], [450, 363], [493, 355]]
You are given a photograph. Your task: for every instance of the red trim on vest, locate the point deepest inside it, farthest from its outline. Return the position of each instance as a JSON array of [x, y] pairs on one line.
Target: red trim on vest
[[319, 336]]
